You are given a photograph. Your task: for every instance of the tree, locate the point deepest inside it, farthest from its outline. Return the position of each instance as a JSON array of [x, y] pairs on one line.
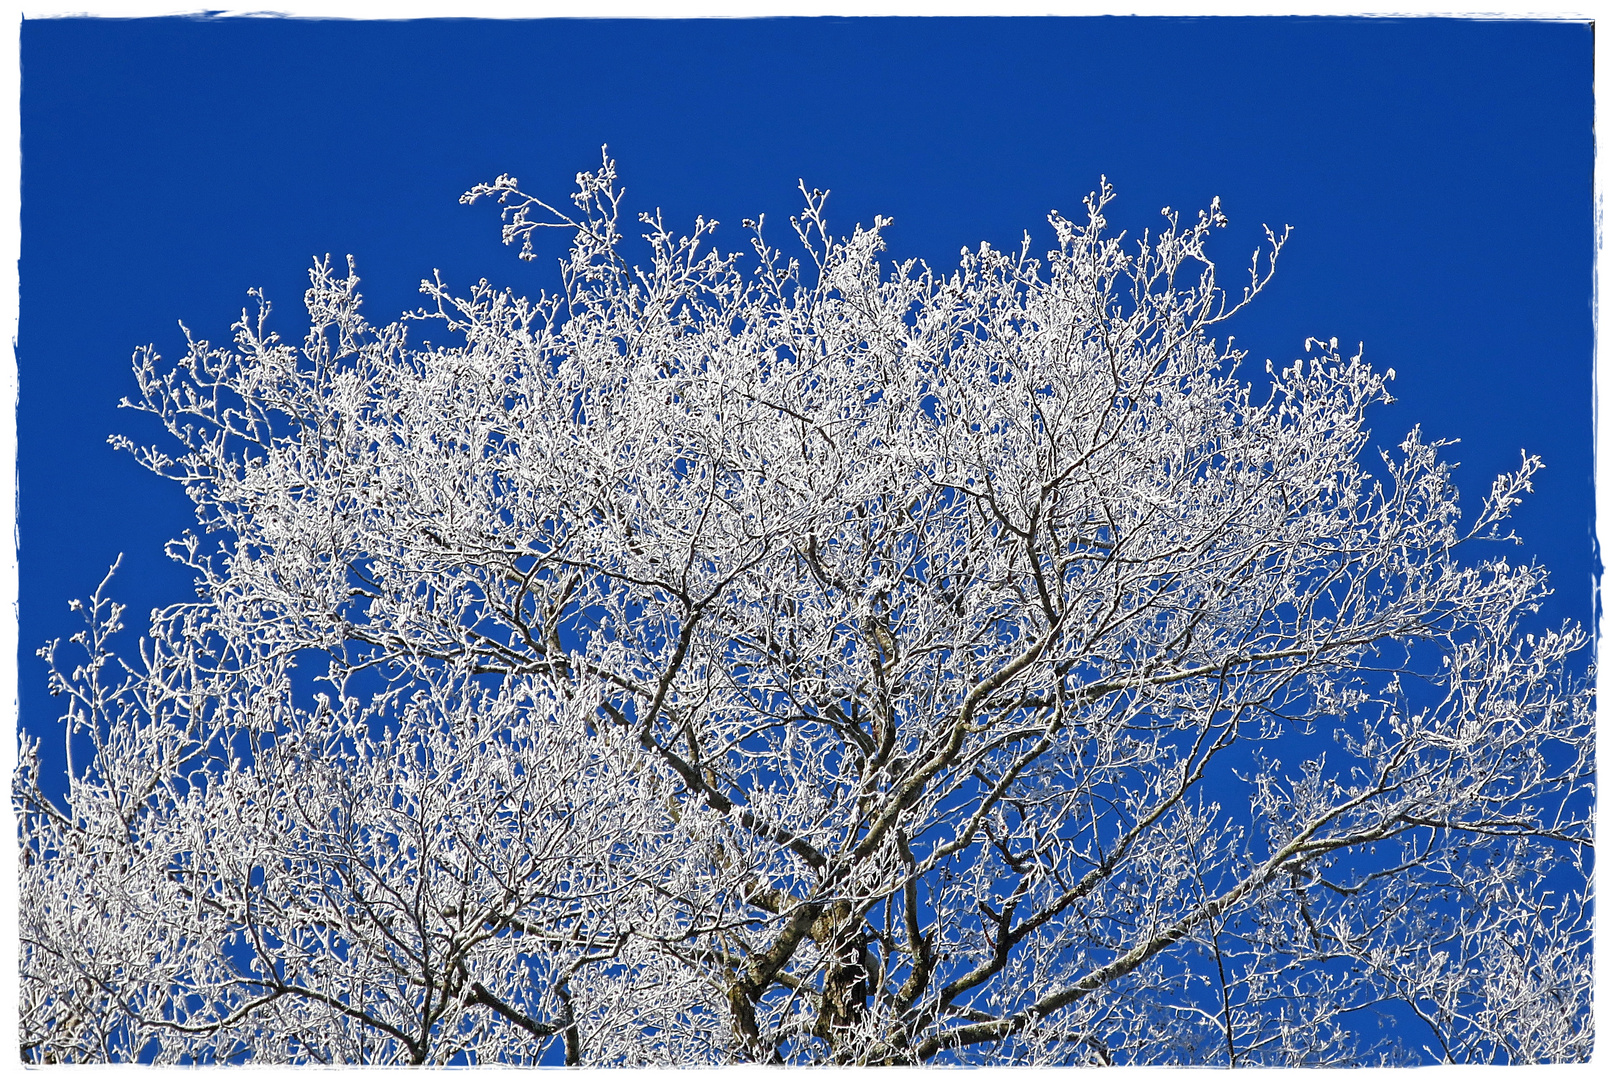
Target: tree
[[807, 660]]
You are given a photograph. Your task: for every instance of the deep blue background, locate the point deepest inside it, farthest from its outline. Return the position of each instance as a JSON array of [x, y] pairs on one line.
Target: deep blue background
[[1437, 173]]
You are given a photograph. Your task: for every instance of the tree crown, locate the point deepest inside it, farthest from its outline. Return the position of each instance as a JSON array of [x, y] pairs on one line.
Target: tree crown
[[795, 658]]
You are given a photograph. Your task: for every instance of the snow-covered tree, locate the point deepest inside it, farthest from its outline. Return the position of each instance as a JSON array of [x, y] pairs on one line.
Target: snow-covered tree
[[807, 659]]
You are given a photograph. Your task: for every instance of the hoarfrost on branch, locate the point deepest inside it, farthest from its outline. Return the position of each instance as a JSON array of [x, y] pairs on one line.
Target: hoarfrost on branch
[[794, 658]]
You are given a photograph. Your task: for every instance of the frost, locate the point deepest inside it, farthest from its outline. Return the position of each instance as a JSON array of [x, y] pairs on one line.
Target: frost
[[797, 658]]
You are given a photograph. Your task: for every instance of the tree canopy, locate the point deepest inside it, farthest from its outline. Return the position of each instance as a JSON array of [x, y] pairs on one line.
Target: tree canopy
[[799, 658]]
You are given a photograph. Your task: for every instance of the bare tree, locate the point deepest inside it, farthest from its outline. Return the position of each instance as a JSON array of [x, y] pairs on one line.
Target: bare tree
[[809, 660]]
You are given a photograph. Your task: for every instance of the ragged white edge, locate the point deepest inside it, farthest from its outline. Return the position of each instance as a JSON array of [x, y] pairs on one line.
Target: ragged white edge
[[11, 207], [532, 9]]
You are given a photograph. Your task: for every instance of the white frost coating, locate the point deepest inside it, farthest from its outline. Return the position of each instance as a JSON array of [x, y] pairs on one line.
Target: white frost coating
[[809, 661]]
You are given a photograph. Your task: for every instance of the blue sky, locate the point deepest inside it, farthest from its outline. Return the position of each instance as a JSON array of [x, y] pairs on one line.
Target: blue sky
[[1437, 174]]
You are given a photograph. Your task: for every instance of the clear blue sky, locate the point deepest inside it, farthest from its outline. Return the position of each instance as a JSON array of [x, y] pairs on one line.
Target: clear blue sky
[[1437, 174]]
